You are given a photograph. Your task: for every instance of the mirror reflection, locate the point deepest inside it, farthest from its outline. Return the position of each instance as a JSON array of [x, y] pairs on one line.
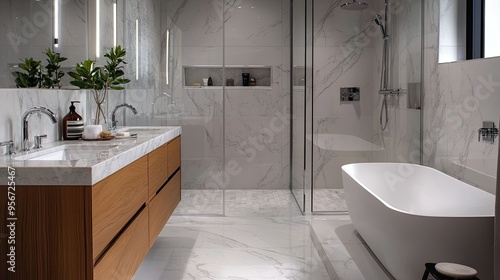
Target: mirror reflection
[[76, 29]]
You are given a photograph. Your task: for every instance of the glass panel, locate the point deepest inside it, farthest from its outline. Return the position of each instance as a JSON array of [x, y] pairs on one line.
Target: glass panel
[[298, 103], [256, 104], [346, 99], [192, 36], [491, 24]]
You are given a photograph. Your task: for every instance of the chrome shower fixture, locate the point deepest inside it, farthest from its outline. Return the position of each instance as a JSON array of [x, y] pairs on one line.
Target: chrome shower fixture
[[378, 21], [354, 6]]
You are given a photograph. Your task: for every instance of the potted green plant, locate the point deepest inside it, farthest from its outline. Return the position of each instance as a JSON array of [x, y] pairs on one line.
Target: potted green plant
[[53, 74], [30, 76], [100, 80]]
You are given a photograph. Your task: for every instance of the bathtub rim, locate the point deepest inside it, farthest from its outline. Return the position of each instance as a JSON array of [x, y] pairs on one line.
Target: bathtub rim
[[346, 166]]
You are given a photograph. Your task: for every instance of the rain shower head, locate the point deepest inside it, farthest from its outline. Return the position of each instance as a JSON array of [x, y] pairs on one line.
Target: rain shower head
[[354, 6]]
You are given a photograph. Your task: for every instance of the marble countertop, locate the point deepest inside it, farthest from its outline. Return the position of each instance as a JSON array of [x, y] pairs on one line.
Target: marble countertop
[[107, 158]]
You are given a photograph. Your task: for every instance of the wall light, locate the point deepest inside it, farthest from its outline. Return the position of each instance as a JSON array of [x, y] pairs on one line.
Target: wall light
[[114, 23], [56, 23], [137, 49], [167, 54], [97, 29]]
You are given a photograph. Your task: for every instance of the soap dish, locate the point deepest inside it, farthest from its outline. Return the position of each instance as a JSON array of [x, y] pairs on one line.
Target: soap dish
[[99, 139]]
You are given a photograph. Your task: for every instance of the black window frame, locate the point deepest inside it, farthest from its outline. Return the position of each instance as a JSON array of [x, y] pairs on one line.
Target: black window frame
[[475, 29]]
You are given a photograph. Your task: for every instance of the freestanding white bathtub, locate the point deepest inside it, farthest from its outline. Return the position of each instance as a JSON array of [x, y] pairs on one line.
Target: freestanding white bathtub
[[410, 215]]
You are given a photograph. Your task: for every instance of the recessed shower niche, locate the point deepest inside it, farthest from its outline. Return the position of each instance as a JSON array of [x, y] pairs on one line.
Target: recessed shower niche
[[259, 76]]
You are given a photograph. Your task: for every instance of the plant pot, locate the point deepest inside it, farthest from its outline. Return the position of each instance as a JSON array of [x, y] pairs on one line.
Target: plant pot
[[97, 104]]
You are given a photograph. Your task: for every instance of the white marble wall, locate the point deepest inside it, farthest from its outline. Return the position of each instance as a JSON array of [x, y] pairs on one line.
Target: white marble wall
[[401, 138], [347, 53], [254, 145], [343, 57], [458, 98], [16, 101]]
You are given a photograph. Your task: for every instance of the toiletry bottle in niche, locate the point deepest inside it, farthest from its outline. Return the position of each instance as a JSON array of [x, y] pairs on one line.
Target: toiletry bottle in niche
[[246, 79], [210, 82], [72, 124], [252, 82]]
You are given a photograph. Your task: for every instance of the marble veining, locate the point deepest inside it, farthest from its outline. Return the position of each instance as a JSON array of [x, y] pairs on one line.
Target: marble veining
[[459, 96]]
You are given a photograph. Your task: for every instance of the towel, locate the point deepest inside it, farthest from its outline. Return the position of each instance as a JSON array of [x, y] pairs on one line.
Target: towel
[[497, 223]]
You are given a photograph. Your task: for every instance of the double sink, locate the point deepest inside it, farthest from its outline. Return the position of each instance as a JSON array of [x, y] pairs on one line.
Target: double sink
[[87, 150]]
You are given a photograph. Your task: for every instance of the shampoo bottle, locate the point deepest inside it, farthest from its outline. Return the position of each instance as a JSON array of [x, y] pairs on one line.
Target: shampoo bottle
[[72, 124]]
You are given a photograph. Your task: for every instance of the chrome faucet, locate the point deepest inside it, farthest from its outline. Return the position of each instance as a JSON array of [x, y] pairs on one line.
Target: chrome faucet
[[158, 97], [113, 117], [25, 119]]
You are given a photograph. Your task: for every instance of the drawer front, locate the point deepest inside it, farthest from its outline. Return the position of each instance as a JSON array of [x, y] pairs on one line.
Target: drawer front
[[157, 168], [163, 205], [115, 201], [121, 261], [174, 155]]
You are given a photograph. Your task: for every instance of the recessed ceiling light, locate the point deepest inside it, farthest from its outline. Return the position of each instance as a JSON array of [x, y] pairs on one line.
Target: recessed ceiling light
[[239, 7]]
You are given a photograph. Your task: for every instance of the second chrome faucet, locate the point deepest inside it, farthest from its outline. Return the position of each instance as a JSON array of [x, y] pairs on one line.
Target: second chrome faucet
[[25, 126], [113, 117]]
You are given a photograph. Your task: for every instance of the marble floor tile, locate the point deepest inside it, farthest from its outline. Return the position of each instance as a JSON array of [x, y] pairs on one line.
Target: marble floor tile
[[329, 200], [262, 236], [237, 203], [346, 251], [233, 248]]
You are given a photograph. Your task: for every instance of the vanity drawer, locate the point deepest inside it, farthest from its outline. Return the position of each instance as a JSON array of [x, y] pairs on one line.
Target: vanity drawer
[[122, 260], [157, 169], [163, 205], [174, 155], [115, 200]]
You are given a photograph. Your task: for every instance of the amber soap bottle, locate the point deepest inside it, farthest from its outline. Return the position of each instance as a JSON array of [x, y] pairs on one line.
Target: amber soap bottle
[[72, 124]]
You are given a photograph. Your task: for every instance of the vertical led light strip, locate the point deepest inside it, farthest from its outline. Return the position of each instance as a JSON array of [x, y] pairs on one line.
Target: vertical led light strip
[[114, 23], [97, 29], [167, 54], [137, 49], [56, 23]]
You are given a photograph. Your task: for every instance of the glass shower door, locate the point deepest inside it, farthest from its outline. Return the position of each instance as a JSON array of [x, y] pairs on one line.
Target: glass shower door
[[298, 103], [192, 51]]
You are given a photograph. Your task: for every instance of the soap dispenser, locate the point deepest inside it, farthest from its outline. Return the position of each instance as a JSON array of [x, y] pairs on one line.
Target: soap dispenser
[[72, 124]]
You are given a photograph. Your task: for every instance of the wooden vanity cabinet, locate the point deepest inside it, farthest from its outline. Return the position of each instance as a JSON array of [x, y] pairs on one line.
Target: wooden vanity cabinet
[[94, 232]]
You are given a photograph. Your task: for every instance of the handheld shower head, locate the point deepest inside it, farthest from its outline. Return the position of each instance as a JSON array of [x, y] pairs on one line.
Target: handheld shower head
[[378, 21]]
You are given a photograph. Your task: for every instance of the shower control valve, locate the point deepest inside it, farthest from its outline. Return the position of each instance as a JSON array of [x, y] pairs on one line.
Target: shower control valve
[[349, 94], [488, 132]]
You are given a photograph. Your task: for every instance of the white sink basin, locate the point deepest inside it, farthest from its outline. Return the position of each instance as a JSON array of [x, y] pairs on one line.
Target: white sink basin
[[68, 152], [150, 130]]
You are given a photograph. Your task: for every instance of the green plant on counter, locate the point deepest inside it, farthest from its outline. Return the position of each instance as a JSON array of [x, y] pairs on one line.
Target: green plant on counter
[[31, 76], [100, 80], [52, 76]]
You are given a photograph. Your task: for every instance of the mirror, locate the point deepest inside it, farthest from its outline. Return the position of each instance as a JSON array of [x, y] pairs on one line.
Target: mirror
[[468, 29], [77, 29]]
